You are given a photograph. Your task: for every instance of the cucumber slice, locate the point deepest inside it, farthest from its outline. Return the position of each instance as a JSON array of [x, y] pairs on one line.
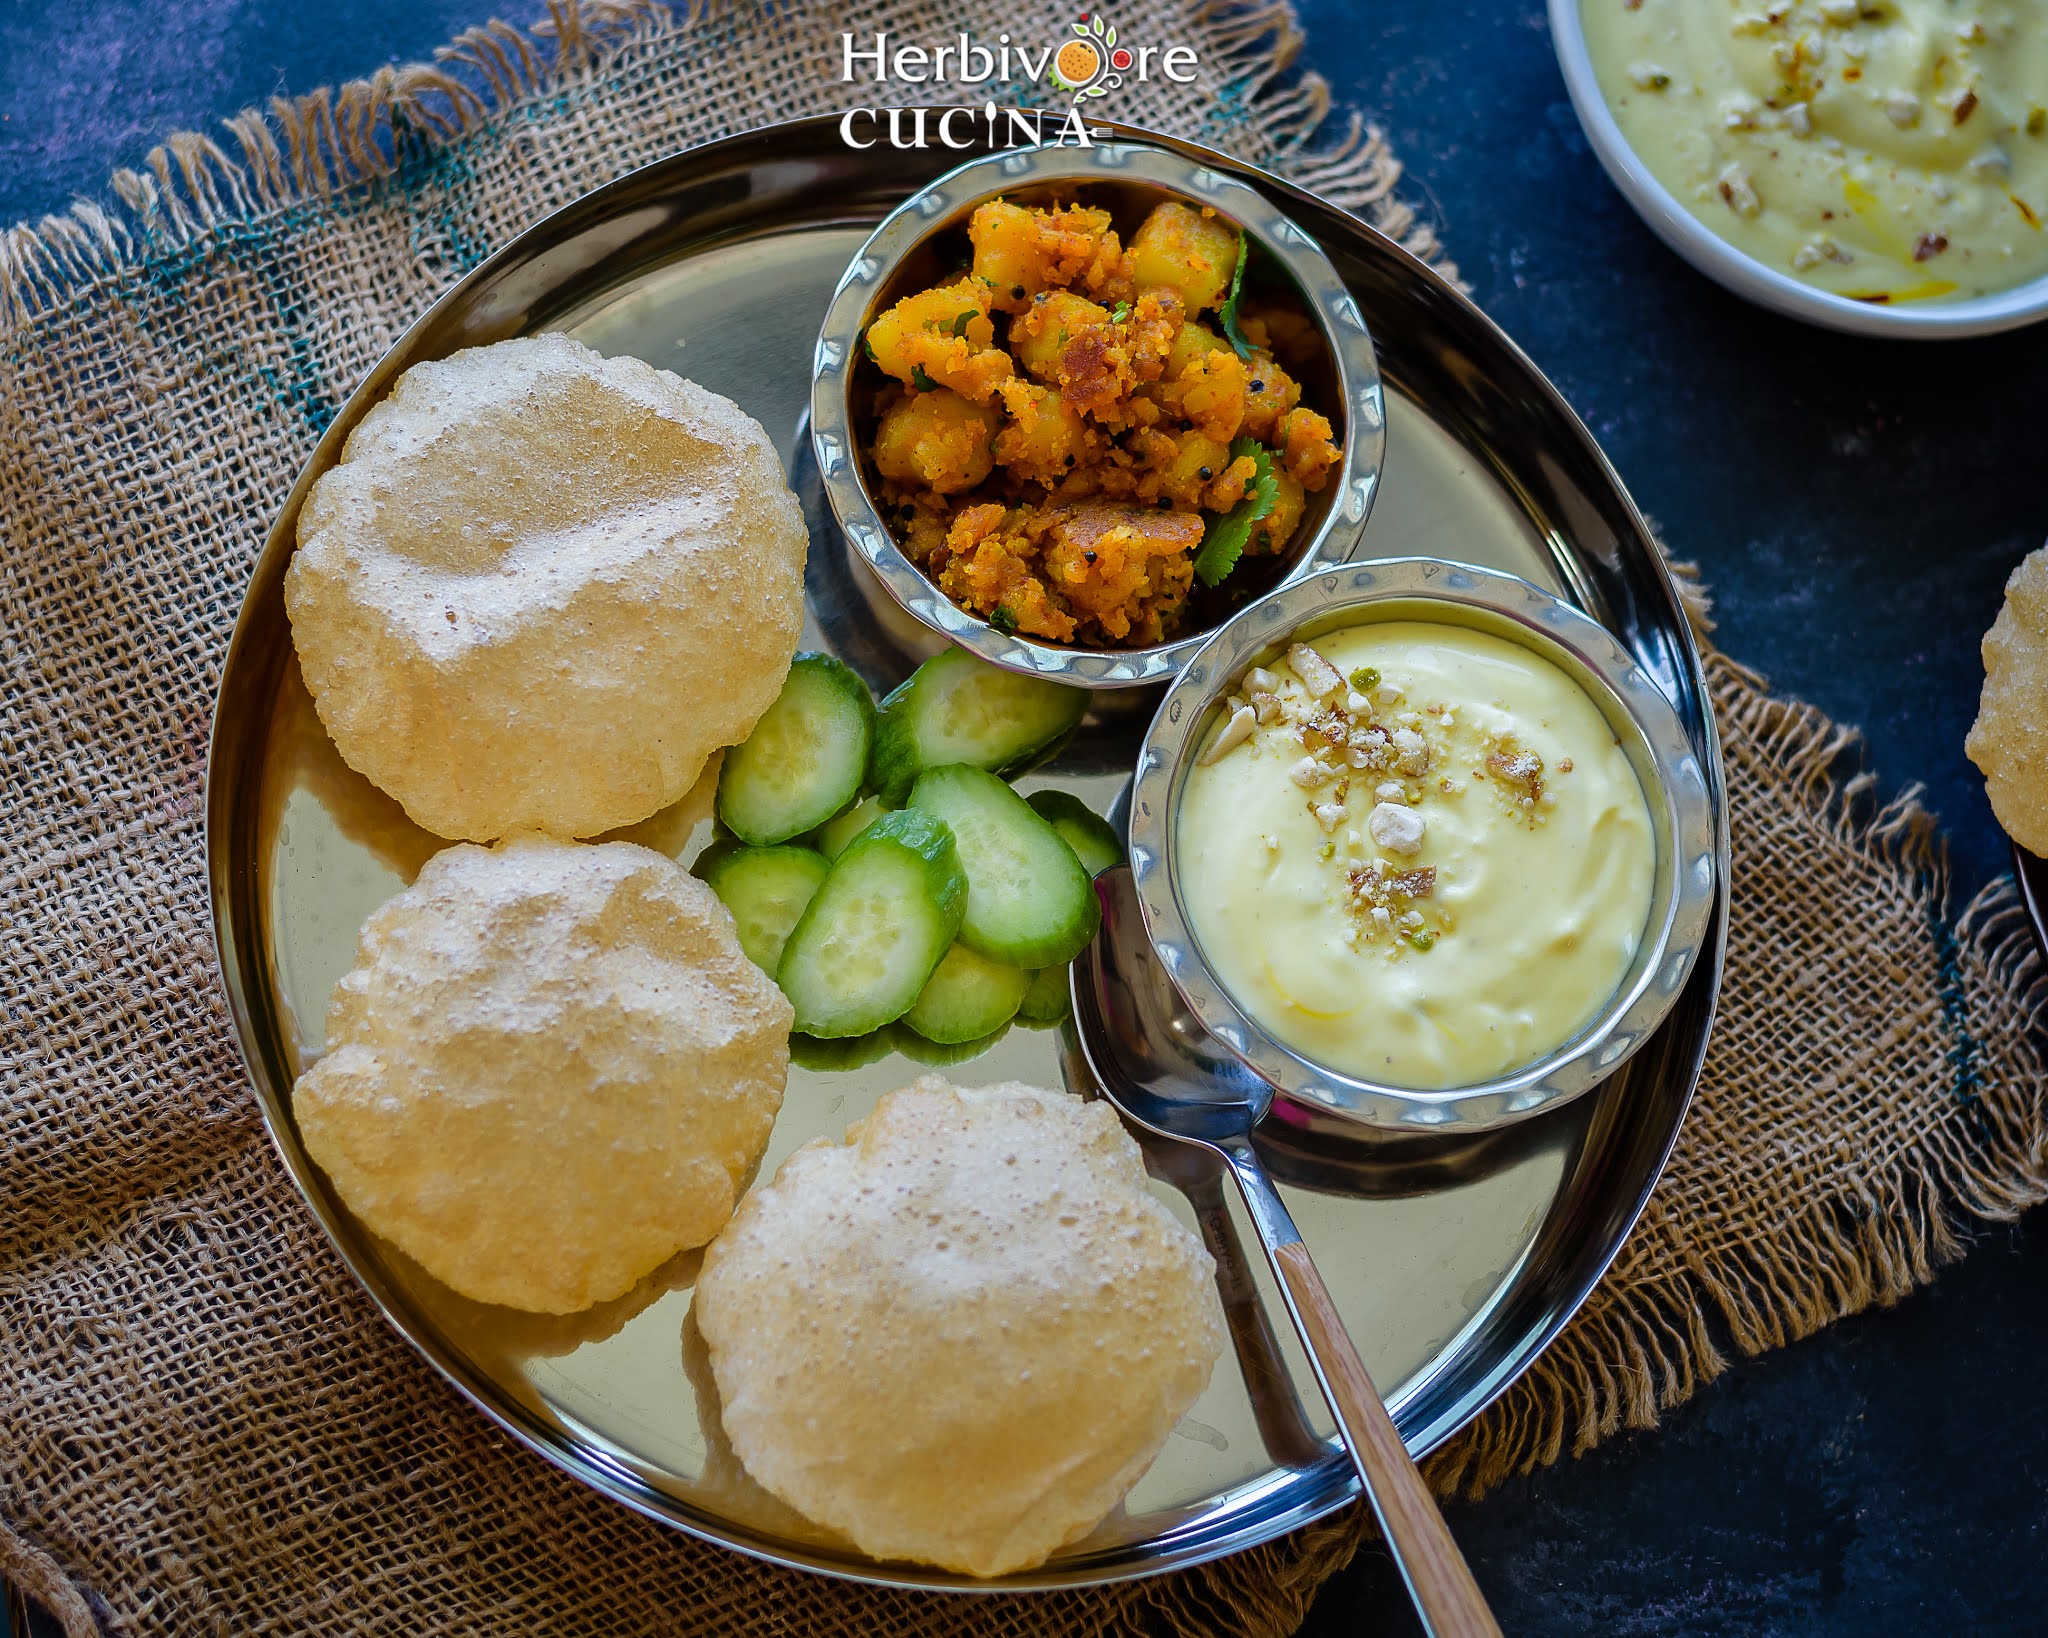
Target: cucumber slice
[[834, 834], [767, 889], [1048, 1000], [1029, 902], [967, 996], [1084, 830], [956, 708], [805, 759], [885, 914]]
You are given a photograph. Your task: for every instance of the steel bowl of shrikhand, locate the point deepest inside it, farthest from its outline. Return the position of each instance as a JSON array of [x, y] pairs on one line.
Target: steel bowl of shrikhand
[[1875, 168], [1423, 844], [1076, 406]]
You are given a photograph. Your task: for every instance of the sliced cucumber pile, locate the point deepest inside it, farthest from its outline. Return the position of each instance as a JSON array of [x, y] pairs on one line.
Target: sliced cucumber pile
[[967, 996], [1029, 902], [1047, 1001], [1081, 827], [882, 919], [957, 709], [767, 889], [806, 758], [834, 834], [923, 929]]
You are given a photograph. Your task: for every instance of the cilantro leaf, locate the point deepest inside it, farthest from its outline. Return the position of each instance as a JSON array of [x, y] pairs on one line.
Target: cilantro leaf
[[1120, 312], [1003, 620], [960, 324], [1225, 539], [1227, 314], [921, 381]]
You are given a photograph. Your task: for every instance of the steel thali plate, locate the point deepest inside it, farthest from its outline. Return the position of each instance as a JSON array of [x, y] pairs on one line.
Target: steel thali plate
[[1453, 1260]]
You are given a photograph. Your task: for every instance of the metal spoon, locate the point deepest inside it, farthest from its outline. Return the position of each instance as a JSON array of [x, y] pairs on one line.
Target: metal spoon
[[1165, 1072]]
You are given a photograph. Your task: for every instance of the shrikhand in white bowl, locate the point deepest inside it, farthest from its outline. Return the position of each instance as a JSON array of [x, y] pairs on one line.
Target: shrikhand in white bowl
[[1881, 165]]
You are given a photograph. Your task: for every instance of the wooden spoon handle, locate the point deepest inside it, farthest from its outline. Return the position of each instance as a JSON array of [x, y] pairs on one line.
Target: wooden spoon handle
[[1450, 1601]]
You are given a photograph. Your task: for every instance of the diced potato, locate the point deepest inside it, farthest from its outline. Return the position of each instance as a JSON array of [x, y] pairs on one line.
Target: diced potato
[[1193, 461], [1276, 529], [1006, 254], [1194, 341], [1041, 335], [937, 439], [1193, 251], [946, 333], [1270, 392], [1044, 437], [1306, 447], [1212, 394]]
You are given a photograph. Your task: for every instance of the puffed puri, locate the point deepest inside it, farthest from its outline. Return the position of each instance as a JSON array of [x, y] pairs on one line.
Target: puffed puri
[[2009, 740], [960, 1336], [542, 586], [551, 1068]]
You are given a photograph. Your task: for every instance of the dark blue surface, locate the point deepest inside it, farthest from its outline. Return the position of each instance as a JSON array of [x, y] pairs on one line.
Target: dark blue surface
[[1855, 506]]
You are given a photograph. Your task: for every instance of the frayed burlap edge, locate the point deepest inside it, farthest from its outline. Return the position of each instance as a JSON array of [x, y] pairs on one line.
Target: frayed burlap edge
[[1644, 1347], [312, 146]]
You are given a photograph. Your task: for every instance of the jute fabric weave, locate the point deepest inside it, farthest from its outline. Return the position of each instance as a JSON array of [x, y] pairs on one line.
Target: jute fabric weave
[[204, 1426]]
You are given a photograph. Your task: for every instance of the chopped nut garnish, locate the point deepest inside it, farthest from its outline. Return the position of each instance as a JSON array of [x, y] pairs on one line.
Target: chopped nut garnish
[[1388, 693], [1259, 680], [1356, 703], [1234, 733], [1267, 707], [1308, 773], [1331, 814], [1739, 192], [1397, 829], [1839, 12], [1799, 119], [1966, 105], [1414, 884], [1317, 675], [1565, 766], [1738, 113], [1902, 108], [1391, 791], [1929, 245], [1412, 751], [1521, 769], [1648, 77]]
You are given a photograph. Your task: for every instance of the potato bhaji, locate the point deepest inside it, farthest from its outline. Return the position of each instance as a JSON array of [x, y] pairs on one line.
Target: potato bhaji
[[1075, 429]]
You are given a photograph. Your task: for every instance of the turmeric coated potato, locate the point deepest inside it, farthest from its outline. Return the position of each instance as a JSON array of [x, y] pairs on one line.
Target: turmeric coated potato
[[938, 440], [1044, 436], [942, 337], [1065, 418], [1194, 251]]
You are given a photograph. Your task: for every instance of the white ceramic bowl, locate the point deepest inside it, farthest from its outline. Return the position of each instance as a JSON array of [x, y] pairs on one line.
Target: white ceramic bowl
[[1741, 272]]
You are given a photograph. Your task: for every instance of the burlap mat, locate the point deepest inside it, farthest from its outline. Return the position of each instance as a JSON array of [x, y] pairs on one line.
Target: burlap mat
[[204, 1427]]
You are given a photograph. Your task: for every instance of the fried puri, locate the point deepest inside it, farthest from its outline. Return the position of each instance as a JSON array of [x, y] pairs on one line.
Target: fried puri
[[960, 1336], [542, 586], [550, 1069], [2009, 741]]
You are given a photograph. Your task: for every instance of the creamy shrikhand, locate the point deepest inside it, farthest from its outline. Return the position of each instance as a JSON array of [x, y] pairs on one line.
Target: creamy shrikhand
[[1415, 853], [1886, 150]]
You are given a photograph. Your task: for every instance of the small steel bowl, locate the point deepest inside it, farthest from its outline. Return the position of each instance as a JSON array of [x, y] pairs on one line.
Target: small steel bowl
[[886, 267], [1683, 816]]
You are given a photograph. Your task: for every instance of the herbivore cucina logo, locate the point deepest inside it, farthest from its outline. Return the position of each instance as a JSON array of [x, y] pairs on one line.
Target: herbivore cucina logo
[[1094, 62]]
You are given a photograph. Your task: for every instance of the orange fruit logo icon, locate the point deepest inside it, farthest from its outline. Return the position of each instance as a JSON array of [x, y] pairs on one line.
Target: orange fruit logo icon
[[1078, 62]]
